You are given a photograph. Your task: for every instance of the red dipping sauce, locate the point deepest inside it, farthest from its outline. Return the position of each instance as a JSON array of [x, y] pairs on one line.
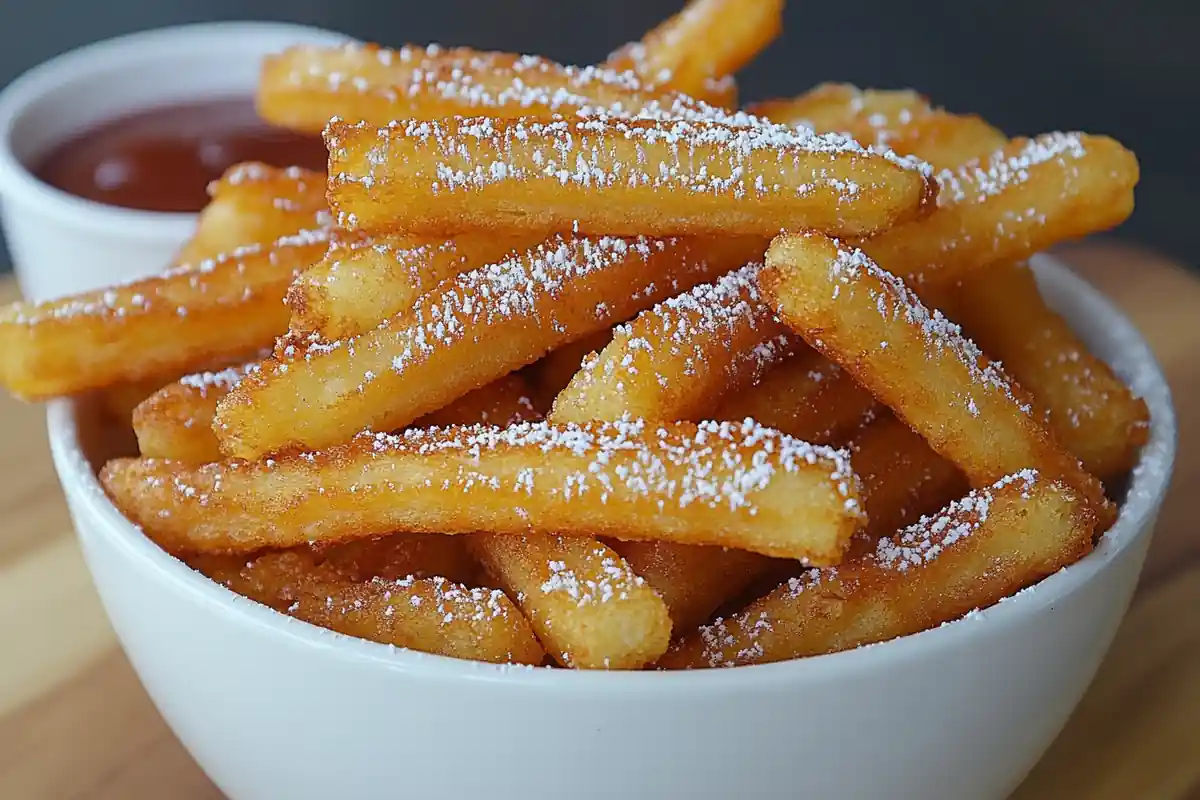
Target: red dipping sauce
[[163, 159]]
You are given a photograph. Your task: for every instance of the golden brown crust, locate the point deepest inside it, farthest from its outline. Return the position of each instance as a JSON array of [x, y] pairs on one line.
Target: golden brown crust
[[1093, 414], [694, 581], [1090, 410], [466, 333], [433, 615], [708, 40], [903, 478], [679, 358], [740, 486], [503, 402], [1025, 197], [364, 280], [588, 607], [615, 176], [915, 362], [984, 548], [805, 395], [254, 203], [555, 370], [900, 119], [400, 555], [176, 421], [306, 86], [180, 321]]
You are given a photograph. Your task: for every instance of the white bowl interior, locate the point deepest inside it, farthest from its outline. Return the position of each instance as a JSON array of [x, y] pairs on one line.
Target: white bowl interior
[[75, 440]]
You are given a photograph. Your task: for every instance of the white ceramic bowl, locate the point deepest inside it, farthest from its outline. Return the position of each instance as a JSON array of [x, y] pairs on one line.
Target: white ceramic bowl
[[271, 707], [61, 244]]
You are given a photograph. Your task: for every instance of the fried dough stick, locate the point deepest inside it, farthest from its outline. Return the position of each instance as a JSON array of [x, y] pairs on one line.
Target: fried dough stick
[[586, 603], [709, 40], [915, 362], [466, 333], [363, 280], [587, 606], [1023, 198], [176, 421], [1093, 413], [739, 486], [900, 119], [304, 87], [615, 176], [676, 360], [980, 549], [806, 396], [254, 203], [902, 477], [180, 321], [432, 615], [555, 371]]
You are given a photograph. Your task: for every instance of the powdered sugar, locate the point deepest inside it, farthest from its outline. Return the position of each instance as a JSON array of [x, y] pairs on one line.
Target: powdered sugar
[[927, 538], [465, 80], [452, 601], [911, 548], [223, 380], [978, 181], [894, 301], [711, 464], [606, 151], [468, 79], [535, 285], [514, 288], [613, 580], [678, 336], [153, 295]]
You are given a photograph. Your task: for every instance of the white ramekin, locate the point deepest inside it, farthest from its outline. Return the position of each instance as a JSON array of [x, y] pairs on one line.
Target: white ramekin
[[271, 707], [61, 244]]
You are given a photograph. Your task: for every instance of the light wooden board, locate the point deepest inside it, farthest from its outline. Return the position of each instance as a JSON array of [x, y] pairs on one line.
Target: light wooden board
[[75, 723]]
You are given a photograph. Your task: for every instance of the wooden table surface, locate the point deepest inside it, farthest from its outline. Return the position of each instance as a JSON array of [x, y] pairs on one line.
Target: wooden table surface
[[75, 723]]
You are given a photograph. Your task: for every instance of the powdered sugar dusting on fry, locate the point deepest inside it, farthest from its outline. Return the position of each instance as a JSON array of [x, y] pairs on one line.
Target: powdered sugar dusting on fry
[[686, 326], [927, 538], [915, 546], [976, 182], [725, 463], [614, 581], [473, 78], [452, 601], [222, 380], [895, 300], [579, 152], [519, 286]]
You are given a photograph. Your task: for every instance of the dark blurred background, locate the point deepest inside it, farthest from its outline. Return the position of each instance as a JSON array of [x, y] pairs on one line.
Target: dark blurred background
[[1128, 69]]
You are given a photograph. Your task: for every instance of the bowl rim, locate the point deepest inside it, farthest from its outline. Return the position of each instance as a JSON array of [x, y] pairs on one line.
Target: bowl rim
[[1133, 360], [218, 39]]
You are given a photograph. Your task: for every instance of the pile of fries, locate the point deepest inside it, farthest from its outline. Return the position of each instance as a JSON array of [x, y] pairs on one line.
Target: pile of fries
[[585, 367]]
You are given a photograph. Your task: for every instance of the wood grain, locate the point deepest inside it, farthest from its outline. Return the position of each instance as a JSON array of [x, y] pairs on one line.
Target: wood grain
[[75, 723]]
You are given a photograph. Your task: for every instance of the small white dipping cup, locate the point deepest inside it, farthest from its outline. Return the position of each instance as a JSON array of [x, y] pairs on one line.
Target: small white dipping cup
[[61, 244]]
